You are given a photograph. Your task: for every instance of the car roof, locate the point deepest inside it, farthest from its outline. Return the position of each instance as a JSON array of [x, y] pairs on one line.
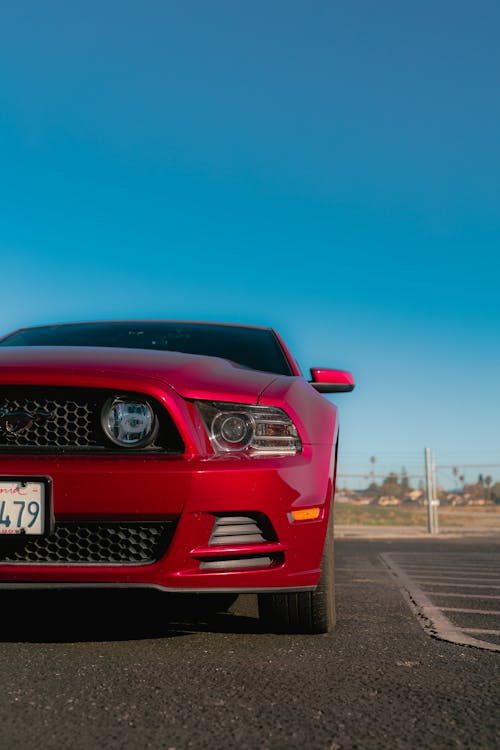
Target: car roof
[[144, 320]]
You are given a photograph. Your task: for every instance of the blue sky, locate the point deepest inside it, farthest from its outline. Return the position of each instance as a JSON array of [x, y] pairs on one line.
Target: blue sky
[[327, 168]]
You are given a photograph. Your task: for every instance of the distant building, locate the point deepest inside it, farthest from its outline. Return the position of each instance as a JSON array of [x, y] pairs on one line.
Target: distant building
[[388, 500]]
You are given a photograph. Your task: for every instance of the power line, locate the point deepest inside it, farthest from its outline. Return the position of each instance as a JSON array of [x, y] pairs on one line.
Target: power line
[[467, 466], [377, 476]]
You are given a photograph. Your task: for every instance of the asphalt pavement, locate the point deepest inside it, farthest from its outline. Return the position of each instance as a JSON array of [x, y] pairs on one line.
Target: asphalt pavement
[[130, 670]]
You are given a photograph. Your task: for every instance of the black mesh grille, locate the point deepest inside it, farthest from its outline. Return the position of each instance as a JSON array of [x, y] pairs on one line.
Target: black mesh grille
[[67, 420], [91, 543], [61, 422]]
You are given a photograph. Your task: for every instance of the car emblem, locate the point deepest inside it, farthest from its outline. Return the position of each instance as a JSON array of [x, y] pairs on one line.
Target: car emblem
[[17, 421]]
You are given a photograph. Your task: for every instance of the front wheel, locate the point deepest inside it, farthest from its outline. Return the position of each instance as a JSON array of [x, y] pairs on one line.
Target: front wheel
[[305, 611]]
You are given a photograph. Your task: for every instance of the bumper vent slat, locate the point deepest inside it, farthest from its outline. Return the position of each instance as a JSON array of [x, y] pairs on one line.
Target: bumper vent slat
[[90, 544], [241, 530], [237, 530], [237, 563]]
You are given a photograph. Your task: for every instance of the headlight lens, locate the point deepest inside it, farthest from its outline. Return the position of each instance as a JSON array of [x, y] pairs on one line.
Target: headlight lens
[[263, 430], [129, 423]]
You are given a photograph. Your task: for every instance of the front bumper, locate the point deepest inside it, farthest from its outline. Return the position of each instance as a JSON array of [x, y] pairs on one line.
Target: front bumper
[[193, 493]]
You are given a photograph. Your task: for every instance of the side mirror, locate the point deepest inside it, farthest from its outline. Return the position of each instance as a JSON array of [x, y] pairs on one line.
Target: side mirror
[[331, 381]]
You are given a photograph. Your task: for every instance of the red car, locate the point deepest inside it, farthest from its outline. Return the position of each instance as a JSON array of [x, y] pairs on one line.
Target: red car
[[189, 457]]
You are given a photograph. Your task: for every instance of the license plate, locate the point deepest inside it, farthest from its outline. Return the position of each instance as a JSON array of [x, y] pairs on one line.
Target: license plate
[[24, 505]]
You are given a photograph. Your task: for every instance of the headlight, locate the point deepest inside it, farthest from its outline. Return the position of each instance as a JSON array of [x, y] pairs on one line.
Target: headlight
[[254, 429], [129, 423]]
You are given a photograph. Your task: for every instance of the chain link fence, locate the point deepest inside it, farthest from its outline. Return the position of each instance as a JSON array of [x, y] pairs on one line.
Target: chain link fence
[[423, 491]]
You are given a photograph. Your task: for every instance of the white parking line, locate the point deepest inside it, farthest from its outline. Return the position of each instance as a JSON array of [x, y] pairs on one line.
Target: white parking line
[[432, 617], [449, 565], [481, 630], [452, 568], [445, 579], [471, 611], [466, 596], [465, 585], [466, 576]]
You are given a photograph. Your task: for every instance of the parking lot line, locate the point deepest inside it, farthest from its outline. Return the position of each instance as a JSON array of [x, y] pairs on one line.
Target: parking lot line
[[415, 588], [471, 611], [463, 585], [445, 579], [456, 595], [481, 630]]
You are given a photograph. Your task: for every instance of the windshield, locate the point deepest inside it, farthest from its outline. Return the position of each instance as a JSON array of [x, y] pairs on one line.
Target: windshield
[[257, 348]]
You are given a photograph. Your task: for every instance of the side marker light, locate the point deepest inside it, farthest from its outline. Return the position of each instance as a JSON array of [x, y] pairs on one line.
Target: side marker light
[[308, 514]]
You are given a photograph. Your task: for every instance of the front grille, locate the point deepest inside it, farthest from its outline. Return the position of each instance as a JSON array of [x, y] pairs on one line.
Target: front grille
[[123, 543], [69, 420]]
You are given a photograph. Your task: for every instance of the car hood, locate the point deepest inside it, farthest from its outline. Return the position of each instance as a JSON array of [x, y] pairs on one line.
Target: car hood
[[190, 375]]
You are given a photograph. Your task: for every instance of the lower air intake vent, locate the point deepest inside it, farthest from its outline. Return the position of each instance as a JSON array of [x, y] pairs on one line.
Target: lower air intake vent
[[237, 563], [241, 530], [90, 544]]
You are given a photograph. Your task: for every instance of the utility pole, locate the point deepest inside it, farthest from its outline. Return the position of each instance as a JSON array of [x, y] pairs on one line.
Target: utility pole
[[435, 501], [430, 470]]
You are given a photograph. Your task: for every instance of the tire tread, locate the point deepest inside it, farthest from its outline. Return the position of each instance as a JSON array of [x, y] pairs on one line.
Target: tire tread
[[305, 611]]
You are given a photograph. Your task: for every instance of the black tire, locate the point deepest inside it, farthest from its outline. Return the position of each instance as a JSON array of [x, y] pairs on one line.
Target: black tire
[[305, 611]]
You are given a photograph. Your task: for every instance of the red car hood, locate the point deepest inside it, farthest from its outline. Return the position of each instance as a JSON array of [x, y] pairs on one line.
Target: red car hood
[[192, 376]]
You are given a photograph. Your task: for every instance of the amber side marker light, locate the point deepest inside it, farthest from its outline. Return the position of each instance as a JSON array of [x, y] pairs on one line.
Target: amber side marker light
[[308, 514]]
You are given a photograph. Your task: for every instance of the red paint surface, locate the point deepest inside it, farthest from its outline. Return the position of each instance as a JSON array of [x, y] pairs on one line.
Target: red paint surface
[[190, 488], [327, 375]]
